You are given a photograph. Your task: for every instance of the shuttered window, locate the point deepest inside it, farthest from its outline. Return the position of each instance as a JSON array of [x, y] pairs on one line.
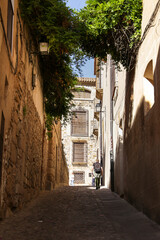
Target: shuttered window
[[10, 22], [82, 94], [79, 124], [79, 152], [79, 177]]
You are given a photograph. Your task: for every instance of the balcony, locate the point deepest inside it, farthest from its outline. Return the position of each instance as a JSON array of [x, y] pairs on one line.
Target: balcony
[[99, 93], [99, 89], [96, 115]]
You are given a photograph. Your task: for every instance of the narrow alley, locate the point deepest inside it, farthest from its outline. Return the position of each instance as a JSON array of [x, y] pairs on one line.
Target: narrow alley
[[79, 213]]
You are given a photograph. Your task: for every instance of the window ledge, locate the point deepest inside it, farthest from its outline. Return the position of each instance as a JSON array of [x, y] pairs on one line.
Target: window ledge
[[79, 163]]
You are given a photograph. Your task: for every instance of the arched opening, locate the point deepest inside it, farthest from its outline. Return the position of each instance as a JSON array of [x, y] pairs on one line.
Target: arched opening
[[148, 88]]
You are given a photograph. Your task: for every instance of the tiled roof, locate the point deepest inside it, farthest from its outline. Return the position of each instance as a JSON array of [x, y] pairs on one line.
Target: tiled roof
[[83, 79]]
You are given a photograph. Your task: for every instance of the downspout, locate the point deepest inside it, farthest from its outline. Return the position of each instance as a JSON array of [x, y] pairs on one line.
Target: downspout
[[111, 147], [111, 132], [100, 119]]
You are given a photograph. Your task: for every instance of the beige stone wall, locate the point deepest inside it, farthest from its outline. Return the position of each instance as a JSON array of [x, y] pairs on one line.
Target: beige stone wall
[[142, 131], [57, 170], [30, 162], [22, 154]]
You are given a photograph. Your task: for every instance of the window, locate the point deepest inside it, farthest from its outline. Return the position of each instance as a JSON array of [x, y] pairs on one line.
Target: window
[[1, 143], [148, 84], [80, 152], [79, 123], [10, 22], [79, 177], [82, 94]]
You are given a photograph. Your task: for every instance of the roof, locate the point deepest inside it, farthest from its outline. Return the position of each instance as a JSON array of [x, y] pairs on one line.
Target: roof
[[87, 81]]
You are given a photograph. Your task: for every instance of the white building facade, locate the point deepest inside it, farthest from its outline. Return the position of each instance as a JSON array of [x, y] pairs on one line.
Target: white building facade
[[80, 144], [110, 90]]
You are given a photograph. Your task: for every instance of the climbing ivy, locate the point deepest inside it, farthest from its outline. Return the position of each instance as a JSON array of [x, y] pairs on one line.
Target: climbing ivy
[[102, 27], [112, 27]]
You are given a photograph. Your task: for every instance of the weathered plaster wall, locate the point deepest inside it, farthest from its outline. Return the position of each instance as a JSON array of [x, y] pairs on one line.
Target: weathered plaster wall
[[142, 132]]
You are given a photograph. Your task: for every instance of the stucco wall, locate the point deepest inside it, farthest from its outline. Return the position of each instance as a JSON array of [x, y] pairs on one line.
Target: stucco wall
[[142, 132], [105, 76], [148, 8]]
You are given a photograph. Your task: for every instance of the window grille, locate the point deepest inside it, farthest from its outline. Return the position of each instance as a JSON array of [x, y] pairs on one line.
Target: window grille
[[80, 152], [79, 123], [10, 22], [79, 177]]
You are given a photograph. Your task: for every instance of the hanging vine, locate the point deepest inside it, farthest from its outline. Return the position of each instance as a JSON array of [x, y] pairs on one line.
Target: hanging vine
[[112, 27], [102, 27], [54, 22]]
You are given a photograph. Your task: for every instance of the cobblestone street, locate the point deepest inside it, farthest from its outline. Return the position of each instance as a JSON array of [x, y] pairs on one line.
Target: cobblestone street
[[79, 213]]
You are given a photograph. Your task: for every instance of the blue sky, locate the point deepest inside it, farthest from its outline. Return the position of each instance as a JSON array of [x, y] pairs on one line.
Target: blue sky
[[88, 68], [78, 4]]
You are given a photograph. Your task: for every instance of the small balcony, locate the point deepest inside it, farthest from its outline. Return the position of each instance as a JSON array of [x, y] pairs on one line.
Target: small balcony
[[99, 93]]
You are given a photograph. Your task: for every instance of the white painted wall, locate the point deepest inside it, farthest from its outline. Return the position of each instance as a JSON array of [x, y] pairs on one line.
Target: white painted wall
[[67, 139]]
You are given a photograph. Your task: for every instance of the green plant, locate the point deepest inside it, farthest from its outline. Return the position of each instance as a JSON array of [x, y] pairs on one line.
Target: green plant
[[102, 27], [54, 22], [112, 27]]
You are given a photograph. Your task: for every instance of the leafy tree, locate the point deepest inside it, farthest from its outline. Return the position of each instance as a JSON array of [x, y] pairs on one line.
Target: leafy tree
[[102, 27], [112, 27], [54, 22]]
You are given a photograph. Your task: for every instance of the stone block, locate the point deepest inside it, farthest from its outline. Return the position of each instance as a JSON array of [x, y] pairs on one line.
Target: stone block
[[13, 153]]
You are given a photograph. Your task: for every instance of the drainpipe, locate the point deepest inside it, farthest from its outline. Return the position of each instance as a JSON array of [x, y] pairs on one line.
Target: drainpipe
[[100, 119], [111, 132], [111, 148]]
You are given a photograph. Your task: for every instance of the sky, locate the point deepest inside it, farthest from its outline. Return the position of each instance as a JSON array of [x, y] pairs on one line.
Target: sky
[[88, 68]]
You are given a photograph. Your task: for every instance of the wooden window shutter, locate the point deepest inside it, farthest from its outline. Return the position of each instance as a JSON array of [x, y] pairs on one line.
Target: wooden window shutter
[[79, 124], [82, 94], [80, 152]]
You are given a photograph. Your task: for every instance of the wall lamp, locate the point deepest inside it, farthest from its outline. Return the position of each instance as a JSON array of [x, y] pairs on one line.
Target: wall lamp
[[92, 137], [43, 49], [99, 107]]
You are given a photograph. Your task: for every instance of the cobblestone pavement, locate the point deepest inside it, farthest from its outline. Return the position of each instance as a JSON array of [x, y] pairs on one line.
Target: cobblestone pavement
[[79, 213]]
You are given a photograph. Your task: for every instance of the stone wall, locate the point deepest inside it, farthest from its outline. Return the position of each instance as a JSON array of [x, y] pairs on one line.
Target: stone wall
[[68, 139], [22, 152], [30, 161], [57, 171]]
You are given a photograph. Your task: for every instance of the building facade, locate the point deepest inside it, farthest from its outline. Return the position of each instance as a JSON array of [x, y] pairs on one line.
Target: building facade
[[141, 130], [29, 161], [130, 127], [78, 136]]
